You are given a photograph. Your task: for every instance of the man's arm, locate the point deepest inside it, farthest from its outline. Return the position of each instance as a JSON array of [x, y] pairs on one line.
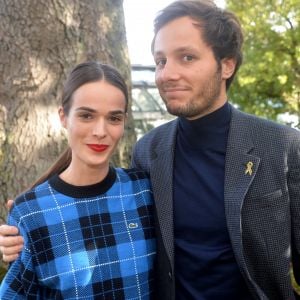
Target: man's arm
[[11, 244], [294, 194], [20, 280]]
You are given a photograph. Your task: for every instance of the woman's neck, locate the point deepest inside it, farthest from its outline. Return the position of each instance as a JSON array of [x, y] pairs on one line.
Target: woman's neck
[[84, 175]]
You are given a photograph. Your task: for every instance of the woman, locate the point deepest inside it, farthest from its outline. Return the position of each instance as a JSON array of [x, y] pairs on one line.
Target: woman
[[87, 227]]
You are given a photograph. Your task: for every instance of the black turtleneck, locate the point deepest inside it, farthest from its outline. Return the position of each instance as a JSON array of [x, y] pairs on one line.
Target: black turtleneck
[[205, 267]]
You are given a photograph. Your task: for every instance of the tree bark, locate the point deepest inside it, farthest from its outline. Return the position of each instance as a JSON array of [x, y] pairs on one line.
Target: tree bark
[[40, 41]]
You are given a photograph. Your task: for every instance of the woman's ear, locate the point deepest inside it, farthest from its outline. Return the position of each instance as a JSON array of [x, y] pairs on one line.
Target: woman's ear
[[62, 117], [228, 67]]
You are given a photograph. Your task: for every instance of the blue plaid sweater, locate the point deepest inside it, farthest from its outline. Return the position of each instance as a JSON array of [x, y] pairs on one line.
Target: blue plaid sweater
[[91, 242]]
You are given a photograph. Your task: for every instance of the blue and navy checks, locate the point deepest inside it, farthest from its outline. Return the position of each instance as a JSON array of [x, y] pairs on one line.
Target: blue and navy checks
[[92, 242]]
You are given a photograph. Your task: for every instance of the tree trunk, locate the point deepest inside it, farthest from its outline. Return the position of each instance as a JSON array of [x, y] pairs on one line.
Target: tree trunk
[[40, 41]]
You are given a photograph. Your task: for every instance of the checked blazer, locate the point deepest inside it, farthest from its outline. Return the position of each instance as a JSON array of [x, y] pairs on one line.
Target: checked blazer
[[262, 202]]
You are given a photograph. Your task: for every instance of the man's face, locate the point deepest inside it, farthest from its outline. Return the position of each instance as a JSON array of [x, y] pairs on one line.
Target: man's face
[[190, 81]]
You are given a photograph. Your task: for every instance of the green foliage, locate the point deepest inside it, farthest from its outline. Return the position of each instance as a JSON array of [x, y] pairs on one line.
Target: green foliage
[[268, 82]]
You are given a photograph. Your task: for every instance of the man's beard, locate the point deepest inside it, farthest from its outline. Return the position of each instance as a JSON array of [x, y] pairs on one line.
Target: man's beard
[[202, 103]]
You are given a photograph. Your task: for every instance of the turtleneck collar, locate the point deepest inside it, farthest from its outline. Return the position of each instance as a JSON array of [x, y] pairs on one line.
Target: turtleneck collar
[[210, 131]]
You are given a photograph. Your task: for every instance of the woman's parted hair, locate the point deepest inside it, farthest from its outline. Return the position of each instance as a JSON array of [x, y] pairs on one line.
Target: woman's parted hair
[[91, 71]]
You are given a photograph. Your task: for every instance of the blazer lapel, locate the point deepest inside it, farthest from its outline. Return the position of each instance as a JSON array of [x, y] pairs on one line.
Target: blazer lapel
[[161, 173], [240, 169]]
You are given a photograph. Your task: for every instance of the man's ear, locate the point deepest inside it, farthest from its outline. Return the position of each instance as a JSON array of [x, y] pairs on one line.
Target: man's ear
[[228, 67], [62, 117]]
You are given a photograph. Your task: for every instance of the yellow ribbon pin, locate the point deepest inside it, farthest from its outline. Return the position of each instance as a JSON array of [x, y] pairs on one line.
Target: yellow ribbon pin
[[249, 168]]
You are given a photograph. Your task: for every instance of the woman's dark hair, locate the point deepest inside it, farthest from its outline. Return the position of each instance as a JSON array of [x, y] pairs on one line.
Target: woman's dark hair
[[220, 29], [83, 73]]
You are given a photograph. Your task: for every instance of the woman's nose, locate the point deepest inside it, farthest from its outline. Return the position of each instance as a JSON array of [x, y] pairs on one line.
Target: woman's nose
[[99, 129]]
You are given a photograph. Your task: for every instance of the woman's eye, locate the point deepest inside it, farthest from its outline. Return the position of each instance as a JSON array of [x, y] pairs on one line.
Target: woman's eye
[[115, 119]]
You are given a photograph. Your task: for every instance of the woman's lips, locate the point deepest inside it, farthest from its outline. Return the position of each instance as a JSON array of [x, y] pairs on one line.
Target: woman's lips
[[97, 147]]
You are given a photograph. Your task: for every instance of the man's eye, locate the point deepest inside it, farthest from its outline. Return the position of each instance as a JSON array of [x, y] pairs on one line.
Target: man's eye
[[160, 62], [188, 57], [85, 116]]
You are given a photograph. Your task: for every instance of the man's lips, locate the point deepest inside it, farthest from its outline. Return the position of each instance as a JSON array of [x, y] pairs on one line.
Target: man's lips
[[98, 147], [174, 89]]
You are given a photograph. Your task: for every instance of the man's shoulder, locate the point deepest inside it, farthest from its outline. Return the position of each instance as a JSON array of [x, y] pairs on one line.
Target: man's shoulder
[[262, 126], [162, 132], [159, 139]]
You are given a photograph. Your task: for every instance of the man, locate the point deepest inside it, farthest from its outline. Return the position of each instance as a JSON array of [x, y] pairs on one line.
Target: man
[[226, 184]]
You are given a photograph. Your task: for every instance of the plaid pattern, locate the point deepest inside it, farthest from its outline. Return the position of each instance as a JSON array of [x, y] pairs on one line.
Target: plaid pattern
[[93, 247]]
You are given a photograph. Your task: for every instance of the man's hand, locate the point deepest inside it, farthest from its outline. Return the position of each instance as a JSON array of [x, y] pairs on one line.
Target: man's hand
[[10, 242], [9, 204]]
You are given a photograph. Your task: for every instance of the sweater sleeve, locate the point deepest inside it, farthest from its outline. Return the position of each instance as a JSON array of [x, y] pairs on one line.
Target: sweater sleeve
[[20, 281]]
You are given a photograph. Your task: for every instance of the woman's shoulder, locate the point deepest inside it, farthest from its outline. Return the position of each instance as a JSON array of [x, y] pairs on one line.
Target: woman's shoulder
[[135, 179], [132, 173], [134, 183], [32, 194]]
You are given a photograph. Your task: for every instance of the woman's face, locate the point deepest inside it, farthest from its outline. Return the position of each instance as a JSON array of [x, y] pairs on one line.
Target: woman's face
[[95, 124]]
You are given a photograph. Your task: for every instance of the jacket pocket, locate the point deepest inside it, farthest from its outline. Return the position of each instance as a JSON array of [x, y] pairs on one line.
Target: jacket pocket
[[266, 201]]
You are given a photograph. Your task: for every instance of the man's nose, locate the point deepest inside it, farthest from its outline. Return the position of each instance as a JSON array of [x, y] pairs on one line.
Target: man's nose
[[169, 72]]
